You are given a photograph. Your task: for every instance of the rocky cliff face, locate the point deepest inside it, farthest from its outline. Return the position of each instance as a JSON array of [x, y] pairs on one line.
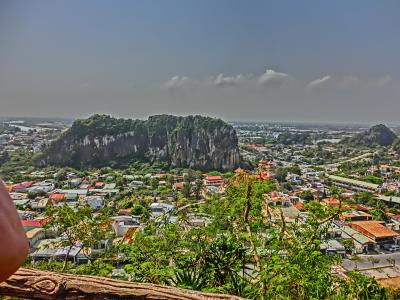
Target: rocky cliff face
[[194, 141]]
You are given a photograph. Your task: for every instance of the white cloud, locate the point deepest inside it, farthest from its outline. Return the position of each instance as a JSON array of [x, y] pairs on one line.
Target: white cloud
[[381, 82], [176, 82], [271, 77], [222, 80], [318, 81]]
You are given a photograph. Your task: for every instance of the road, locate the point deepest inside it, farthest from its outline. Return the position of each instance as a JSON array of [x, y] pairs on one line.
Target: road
[[348, 160], [364, 263]]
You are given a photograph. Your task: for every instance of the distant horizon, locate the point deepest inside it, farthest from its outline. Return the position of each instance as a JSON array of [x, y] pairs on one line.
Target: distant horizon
[[283, 122], [301, 61]]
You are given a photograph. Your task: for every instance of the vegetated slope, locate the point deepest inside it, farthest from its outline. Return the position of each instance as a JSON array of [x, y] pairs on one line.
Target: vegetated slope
[[192, 141], [396, 145], [377, 135]]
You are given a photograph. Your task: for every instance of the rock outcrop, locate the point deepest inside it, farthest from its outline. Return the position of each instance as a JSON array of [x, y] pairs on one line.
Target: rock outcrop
[[376, 135], [194, 141]]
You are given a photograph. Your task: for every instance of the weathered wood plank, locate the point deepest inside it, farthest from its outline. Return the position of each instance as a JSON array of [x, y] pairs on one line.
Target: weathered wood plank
[[30, 283]]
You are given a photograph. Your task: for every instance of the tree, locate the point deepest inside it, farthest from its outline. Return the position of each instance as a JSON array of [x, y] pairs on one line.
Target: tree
[[169, 179], [154, 183], [306, 195], [76, 226], [186, 188], [391, 261], [280, 174], [198, 186], [373, 260], [295, 169], [364, 197], [243, 250]]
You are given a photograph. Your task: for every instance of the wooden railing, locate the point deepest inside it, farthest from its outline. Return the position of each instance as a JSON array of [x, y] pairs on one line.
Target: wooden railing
[[30, 283]]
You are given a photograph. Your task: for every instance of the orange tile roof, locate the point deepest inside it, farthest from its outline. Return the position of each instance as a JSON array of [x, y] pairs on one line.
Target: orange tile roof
[[299, 205], [57, 196], [373, 229], [126, 212], [331, 201], [350, 214], [178, 185]]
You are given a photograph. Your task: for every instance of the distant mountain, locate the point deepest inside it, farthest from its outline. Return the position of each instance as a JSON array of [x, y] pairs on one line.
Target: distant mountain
[[376, 135], [194, 141]]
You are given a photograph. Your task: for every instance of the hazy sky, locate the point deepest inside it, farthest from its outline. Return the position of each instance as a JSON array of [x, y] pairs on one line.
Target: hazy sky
[[240, 60]]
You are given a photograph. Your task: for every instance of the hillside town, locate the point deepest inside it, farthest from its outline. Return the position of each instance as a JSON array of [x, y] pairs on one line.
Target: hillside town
[[360, 185]]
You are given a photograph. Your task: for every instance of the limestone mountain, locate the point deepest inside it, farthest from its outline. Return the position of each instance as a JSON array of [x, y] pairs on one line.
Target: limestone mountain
[[376, 135], [193, 141]]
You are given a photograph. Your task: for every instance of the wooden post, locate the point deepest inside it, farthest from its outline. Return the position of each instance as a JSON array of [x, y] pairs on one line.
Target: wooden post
[[30, 283]]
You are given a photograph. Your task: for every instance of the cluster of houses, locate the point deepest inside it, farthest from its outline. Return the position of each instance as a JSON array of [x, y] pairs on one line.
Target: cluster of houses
[[354, 224], [33, 197], [19, 136]]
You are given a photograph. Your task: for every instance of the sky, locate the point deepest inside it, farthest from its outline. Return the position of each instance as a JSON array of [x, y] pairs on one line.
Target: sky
[[308, 61]]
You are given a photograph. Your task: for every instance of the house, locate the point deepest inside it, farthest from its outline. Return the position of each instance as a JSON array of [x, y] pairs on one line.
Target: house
[[125, 212], [25, 215], [109, 186], [74, 254], [85, 186], [21, 203], [364, 208], [75, 182], [22, 187], [352, 216], [333, 247], [178, 185], [99, 248], [290, 214], [361, 243], [40, 204], [277, 199], [71, 197], [157, 209], [331, 202], [213, 181], [197, 220], [18, 196], [299, 205], [376, 231], [99, 185], [44, 186], [31, 224], [57, 198], [79, 192], [121, 224], [294, 178], [135, 184], [294, 199], [95, 202], [352, 184], [213, 190], [347, 195], [34, 236]]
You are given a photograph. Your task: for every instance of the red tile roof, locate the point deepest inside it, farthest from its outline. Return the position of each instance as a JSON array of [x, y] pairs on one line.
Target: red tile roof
[[31, 223], [213, 178]]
